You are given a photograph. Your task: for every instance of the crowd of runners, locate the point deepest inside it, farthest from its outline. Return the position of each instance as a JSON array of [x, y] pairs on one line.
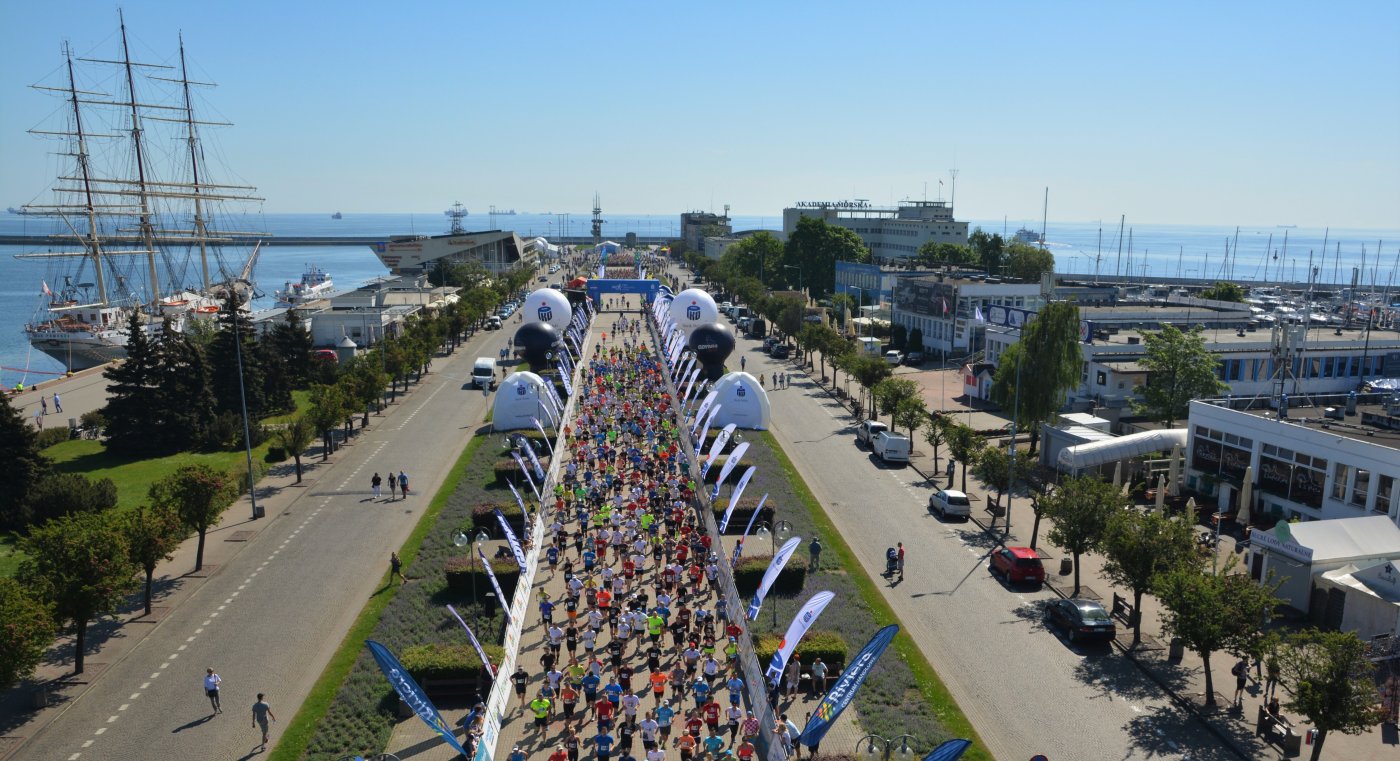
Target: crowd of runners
[[640, 653]]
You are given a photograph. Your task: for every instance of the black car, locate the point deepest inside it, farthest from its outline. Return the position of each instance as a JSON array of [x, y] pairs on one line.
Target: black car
[[1081, 619], [780, 351]]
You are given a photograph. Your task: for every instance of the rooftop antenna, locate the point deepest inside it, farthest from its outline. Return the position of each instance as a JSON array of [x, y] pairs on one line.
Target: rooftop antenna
[[1044, 215], [597, 220], [953, 201], [458, 213]]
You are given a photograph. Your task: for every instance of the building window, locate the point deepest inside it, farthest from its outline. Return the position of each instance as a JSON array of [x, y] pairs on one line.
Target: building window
[[1339, 481], [1361, 488], [1385, 486]]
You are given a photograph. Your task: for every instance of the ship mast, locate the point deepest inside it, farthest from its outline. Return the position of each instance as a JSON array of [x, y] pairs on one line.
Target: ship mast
[[94, 244], [147, 229], [199, 225]]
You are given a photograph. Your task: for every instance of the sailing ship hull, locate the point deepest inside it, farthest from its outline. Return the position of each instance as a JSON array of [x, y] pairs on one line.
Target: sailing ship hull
[[79, 351]]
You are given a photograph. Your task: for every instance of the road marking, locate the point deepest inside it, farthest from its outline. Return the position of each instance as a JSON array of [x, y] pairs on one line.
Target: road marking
[[206, 623], [100, 730], [75, 757], [243, 586], [88, 743], [214, 614], [123, 707], [182, 647], [226, 602], [134, 696], [190, 639], [111, 718]]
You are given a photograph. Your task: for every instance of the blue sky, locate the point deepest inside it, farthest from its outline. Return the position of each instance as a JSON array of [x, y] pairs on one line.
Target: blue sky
[[1210, 113]]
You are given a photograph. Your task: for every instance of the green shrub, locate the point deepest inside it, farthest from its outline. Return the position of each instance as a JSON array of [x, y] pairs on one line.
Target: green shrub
[[460, 571], [818, 643], [748, 574], [483, 518], [439, 661], [275, 454], [50, 436], [507, 471], [742, 512], [92, 419]]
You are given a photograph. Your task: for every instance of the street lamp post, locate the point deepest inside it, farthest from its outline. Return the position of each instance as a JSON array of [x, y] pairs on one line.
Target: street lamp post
[[461, 540], [779, 532], [243, 404], [888, 744], [801, 280]]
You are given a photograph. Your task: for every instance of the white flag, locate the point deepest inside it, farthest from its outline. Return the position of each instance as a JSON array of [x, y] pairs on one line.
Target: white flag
[[706, 430], [771, 575], [729, 465], [700, 412], [720, 440], [734, 498], [795, 631]]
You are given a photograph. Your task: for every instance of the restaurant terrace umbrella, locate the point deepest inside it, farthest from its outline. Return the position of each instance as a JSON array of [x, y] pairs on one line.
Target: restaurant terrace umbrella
[[1191, 509], [1246, 496], [1118, 473], [1174, 471], [1161, 491]]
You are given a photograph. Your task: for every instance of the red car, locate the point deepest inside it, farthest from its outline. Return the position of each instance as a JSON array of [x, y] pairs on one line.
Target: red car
[[1018, 564]]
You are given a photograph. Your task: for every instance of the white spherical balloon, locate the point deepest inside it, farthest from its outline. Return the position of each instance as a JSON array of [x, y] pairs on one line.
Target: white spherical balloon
[[548, 306], [692, 308]]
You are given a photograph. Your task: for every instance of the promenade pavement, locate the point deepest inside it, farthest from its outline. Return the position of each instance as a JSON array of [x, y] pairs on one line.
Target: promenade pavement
[[412, 739], [83, 391], [273, 601]]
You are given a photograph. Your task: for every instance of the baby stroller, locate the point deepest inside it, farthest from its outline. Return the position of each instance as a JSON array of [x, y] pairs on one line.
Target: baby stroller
[[891, 561]]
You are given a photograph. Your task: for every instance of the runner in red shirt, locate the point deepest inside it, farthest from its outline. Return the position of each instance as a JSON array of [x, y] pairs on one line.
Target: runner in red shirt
[[711, 710], [604, 709]]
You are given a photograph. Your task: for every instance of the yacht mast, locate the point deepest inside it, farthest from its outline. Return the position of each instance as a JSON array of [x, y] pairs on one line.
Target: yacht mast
[[94, 243], [147, 229], [200, 229]]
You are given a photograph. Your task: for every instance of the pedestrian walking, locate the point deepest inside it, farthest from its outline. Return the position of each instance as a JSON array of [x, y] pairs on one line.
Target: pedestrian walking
[[951, 464], [57, 405], [374, 483], [396, 568], [815, 550], [43, 406], [393, 484], [1241, 674], [1274, 671], [262, 712], [760, 380], [211, 689], [403, 484], [900, 558]]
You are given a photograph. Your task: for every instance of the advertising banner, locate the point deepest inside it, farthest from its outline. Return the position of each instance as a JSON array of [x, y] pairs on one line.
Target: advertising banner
[[795, 631], [718, 444], [771, 575], [510, 538], [480, 651], [841, 693], [412, 694], [730, 464], [734, 498]]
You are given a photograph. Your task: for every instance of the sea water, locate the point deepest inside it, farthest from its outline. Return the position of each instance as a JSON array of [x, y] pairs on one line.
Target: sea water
[[1157, 251]]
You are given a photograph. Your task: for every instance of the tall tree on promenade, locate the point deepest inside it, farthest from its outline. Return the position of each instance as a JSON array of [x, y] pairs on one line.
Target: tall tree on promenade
[[1050, 362], [184, 408], [27, 630], [235, 335], [198, 494], [1081, 508], [1140, 547], [815, 247], [295, 437], [891, 392], [328, 406], [24, 465], [1330, 680], [80, 564], [1180, 369], [152, 535], [965, 445], [1028, 262], [132, 394], [1214, 612]]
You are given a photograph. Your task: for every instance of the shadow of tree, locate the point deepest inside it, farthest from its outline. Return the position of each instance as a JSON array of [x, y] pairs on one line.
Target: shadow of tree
[[1174, 733]]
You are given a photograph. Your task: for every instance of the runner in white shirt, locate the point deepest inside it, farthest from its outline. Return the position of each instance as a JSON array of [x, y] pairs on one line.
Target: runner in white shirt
[[629, 706]]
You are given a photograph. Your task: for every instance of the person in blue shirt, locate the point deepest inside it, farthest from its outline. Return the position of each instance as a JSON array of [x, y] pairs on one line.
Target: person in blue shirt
[[547, 610], [736, 689], [701, 688], [613, 690], [590, 684], [714, 744], [664, 714], [589, 557], [602, 745]]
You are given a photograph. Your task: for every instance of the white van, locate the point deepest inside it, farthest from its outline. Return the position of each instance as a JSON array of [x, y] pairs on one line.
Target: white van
[[484, 373], [891, 447]]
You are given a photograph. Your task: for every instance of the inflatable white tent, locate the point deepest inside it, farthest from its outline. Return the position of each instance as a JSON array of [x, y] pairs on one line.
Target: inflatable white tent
[[521, 396], [609, 247], [543, 246], [742, 401]]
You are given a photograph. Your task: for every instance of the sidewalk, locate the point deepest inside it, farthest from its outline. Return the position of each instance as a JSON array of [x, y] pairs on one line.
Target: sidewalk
[[112, 639], [1183, 680]]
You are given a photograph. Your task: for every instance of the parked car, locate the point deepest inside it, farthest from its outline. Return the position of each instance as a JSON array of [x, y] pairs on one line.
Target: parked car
[[1081, 619], [914, 358], [891, 447], [893, 357], [780, 351], [950, 503], [493, 323], [769, 343], [1018, 564], [868, 430]]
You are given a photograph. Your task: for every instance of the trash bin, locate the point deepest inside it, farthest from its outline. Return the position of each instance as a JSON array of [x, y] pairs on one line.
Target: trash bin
[[1176, 650], [1066, 566], [39, 698]]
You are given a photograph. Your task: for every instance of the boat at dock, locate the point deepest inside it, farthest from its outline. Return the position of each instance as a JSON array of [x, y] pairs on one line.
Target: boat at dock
[[133, 234], [315, 284]]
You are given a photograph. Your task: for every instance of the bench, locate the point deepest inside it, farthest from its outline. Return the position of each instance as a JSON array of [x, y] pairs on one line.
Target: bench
[[1277, 731]]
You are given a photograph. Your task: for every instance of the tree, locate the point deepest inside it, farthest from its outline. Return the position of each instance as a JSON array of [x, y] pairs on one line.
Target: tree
[[936, 434], [899, 334], [295, 437], [79, 564], [814, 248], [1081, 508], [989, 248], [232, 345], [184, 408], [993, 466], [152, 535], [132, 393], [1027, 262], [844, 306], [1329, 680], [759, 256], [1211, 612], [909, 413], [891, 392], [1180, 369], [25, 635], [1139, 547], [24, 465], [785, 310], [199, 494], [869, 372], [965, 445], [1224, 291], [932, 254], [1046, 362], [60, 494], [328, 405]]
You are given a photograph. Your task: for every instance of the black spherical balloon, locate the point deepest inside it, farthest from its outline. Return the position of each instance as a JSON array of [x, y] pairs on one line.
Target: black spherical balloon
[[538, 342], [712, 344]]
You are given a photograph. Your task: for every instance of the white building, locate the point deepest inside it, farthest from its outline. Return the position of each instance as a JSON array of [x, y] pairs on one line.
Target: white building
[[496, 250], [1341, 572], [891, 234], [945, 309], [374, 310]]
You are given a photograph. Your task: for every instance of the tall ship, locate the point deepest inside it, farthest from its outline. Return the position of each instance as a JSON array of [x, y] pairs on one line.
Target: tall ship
[[139, 224]]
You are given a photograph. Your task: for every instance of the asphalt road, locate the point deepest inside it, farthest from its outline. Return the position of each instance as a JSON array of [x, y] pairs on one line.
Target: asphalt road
[[1023, 687], [269, 620]]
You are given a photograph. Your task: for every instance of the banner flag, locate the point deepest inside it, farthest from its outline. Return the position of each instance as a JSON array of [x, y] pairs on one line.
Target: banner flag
[[739, 547], [719, 442], [734, 498], [564, 374], [700, 442], [690, 375], [534, 459], [952, 750], [496, 585], [518, 500], [412, 694], [521, 464], [771, 575], [841, 693], [540, 428], [701, 410], [729, 465], [510, 538], [795, 631], [480, 651]]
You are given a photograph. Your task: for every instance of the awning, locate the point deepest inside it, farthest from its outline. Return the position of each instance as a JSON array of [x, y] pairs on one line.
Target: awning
[[1097, 453]]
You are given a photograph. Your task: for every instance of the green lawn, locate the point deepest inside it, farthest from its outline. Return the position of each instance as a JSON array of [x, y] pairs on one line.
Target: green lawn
[[134, 477]]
